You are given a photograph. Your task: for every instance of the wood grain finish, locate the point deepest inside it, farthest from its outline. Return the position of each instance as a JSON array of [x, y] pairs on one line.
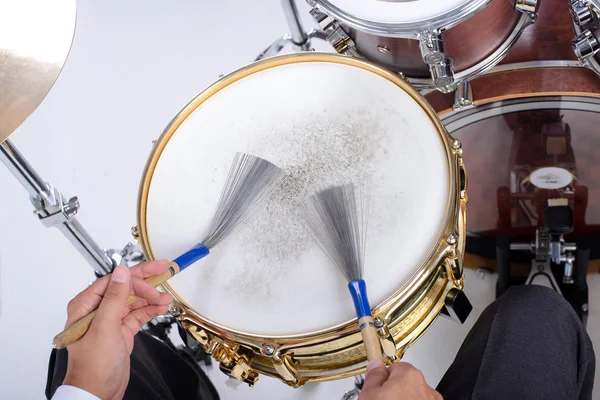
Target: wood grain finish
[[520, 83], [475, 39], [549, 38], [467, 43]]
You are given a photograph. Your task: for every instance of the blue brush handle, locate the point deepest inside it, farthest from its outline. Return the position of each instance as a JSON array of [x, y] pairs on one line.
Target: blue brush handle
[[358, 290], [191, 256]]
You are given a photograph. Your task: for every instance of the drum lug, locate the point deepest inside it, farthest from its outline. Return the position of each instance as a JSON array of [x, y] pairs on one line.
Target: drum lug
[[453, 261], [431, 45], [585, 45], [336, 35], [283, 364], [581, 12], [463, 97], [388, 345], [528, 7], [234, 360]]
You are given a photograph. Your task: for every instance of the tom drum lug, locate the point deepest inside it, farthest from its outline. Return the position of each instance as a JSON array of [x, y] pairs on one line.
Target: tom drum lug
[[431, 45], [528, 7], [336, 35], [585, 45], [581, 13]]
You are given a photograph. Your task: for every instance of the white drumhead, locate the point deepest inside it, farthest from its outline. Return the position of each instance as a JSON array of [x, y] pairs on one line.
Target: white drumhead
[[324, 123], [396, 11]]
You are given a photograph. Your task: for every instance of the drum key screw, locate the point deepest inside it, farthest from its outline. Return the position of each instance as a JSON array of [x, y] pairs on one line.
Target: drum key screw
[[584, 308], [135, 232], [452, 239], [378, 322], [268, 349], [174, 311], [154, 142], [456, 144], [383, 49]]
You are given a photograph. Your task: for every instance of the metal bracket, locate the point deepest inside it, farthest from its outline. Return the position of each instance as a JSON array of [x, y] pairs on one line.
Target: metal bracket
[[528, 7], [431, 45], [235, 361], [53, 210], [463, 97], [359, 381], [336, 35], [283, 364], [129, 255], [457, 306], [388, 345]]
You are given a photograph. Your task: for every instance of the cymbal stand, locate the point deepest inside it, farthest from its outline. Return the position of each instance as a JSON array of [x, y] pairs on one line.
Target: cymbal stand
[[55, 210], [298, 37]]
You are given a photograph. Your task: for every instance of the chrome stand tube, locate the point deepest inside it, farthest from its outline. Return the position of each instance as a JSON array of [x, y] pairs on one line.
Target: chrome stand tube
[[299, 36], [53, 210]]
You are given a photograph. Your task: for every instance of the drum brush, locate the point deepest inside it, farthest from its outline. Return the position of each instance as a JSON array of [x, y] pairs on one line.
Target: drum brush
[[250, 180], [337, 220]]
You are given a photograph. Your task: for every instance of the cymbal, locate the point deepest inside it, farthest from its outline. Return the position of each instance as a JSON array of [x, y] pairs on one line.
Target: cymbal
[[35, 40]]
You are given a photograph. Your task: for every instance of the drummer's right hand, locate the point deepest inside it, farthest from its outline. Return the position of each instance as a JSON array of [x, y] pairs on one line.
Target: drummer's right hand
[[99, 362], [399, 381]]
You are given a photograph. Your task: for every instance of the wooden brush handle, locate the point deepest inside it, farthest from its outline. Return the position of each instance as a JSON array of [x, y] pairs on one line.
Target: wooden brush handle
[[370, 338], [79, 328]]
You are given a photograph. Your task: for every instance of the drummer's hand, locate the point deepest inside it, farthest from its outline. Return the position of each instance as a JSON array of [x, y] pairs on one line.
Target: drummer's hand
[[99, 361], [399, 381]]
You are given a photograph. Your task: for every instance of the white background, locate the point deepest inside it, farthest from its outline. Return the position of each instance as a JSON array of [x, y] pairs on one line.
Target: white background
[[132, 67]]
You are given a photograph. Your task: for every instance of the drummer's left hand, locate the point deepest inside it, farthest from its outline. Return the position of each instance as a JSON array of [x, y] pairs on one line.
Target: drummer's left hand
[[99, 362]]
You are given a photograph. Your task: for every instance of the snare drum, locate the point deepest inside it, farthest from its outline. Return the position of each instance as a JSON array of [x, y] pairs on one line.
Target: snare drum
[[529, 131], [267, 300], [434, 44]]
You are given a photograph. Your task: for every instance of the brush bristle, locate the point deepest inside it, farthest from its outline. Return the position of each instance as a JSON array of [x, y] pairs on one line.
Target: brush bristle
[[249, 181], [337, 219]]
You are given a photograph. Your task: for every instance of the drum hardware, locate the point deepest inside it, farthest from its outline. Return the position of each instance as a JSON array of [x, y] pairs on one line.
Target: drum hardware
[[337, 36], [585, 15], [54, 210], [463, 97], [550, 246], [457, 306], [299, 39], [388, 345], [338, 24], [359, 382], [527, 7]]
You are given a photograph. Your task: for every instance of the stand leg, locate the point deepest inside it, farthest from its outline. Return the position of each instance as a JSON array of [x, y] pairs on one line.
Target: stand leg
[[299, 36], [53, 210], [503, 265]]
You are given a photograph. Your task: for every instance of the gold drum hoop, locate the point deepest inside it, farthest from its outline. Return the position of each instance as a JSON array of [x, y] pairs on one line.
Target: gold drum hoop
[[337, 352]]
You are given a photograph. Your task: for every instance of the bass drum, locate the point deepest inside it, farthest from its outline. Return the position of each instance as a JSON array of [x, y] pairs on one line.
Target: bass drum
[[530, 133], [267, 300]]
